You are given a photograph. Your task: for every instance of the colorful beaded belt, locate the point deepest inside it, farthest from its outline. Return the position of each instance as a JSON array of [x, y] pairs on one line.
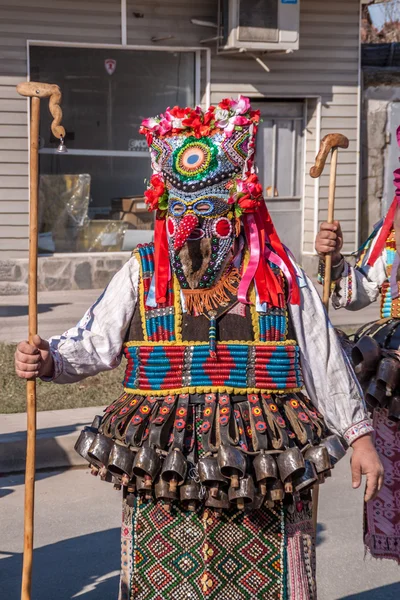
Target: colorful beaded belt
[[189, 368]]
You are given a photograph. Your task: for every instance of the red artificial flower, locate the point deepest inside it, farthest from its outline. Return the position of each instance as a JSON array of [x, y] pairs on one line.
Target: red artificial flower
[[151, 199], [209, 115], [155, 192], [202, 131], [248, 204], [253, 185], [255, 116], [157, 183], [225, 104], [177, 112]]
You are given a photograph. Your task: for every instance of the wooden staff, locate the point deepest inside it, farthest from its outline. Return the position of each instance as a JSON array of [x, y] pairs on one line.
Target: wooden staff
[[35, 91], [330, 143]]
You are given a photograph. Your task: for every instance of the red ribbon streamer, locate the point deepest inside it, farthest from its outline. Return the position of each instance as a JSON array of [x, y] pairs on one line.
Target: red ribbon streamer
[[384, 233], [161, 259]]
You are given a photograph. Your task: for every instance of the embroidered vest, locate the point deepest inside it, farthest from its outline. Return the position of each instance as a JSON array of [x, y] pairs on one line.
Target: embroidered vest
[[167, 350]]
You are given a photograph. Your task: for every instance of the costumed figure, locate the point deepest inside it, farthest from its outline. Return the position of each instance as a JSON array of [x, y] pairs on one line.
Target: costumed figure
[[237, 395], [375, 354]]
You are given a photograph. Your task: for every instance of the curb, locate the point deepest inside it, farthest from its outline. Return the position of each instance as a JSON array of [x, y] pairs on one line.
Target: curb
[[57, 432]]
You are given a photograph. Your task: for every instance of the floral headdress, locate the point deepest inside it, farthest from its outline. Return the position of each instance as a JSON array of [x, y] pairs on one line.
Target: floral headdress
[[229, 115]]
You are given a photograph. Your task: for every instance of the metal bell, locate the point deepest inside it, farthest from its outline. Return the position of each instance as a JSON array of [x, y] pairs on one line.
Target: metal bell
[[84, 442], [120, 461], [291, 466], [244, 494], [308, 478], [163, 492], [219, 503], [335, 447], [210, 475], [394, 408], [257, 502], [190, 495], [232, 464], [96, 423], [86, 438], [319, 456], [266, 470], [143, 489], [375, 394], [275, 492], [147, 464], [174, 469], [106, 476], [62, 148], [100, 449], [365, 355], [388, 374]]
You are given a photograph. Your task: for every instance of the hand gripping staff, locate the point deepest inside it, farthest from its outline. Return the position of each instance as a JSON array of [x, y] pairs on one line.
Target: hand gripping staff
[[36, 91], [331, 142]]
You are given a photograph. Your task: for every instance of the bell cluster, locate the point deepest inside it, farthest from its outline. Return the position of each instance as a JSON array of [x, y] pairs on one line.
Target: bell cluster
[[221, 480]]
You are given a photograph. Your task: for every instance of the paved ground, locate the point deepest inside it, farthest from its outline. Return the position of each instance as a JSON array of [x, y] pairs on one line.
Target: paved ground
[[60, 310], [77, 541]]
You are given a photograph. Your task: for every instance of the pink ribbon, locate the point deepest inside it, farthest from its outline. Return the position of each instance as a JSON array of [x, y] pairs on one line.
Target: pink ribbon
[[253, 241], [278, 262]]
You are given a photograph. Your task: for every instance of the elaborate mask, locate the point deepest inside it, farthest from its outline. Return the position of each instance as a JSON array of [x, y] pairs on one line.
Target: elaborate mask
[[198, 156], [203, 182]]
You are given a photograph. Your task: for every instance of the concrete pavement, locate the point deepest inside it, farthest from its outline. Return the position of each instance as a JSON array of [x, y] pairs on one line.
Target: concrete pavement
[[57, 311], [57, 432], [77, 541]]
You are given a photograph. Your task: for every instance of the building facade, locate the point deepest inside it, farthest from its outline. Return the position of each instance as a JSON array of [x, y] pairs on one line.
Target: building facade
[[118, 61]]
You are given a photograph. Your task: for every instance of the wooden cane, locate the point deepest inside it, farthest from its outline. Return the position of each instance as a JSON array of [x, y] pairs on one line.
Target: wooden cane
[[330, 143], [34, 91]]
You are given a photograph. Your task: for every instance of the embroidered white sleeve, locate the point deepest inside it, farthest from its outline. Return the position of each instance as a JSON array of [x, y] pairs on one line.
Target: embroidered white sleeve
[[95, 343], [358, 287], [358, 430], [328, 376]]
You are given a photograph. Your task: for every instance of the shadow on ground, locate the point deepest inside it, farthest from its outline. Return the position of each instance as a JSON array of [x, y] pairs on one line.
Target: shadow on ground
[[321, 535], [21, 310], [85, 567], [386, 592]]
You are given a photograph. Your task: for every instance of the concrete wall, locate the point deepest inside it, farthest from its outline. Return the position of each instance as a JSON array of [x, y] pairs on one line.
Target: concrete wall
[[71, 272], [378, 145]]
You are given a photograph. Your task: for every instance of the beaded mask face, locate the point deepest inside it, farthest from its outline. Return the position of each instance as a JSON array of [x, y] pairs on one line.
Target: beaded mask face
[[200, 221], [198, 167]]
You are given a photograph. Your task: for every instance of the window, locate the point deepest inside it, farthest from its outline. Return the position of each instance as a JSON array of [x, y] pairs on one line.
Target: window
[[91, 199]]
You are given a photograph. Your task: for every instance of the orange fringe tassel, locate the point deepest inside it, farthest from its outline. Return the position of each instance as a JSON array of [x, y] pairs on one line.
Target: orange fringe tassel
[[200, 301]]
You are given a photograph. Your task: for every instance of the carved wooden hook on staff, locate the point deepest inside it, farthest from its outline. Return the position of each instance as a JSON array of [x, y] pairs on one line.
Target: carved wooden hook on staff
[[330, 143], [36, 91]]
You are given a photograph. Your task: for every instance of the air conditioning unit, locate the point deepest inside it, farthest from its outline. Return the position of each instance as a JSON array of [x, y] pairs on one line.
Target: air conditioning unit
[[258, 25]]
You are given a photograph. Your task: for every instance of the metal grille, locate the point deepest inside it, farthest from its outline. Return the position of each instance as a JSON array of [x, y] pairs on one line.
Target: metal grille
[[258, 20]]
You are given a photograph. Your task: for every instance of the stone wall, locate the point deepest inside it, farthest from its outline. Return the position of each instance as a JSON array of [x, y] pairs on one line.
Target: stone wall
[[381, 90], [61, 272]]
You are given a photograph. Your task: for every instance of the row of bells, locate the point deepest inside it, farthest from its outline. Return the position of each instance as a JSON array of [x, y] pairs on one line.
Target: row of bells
[[222, 480], [379, 374]]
